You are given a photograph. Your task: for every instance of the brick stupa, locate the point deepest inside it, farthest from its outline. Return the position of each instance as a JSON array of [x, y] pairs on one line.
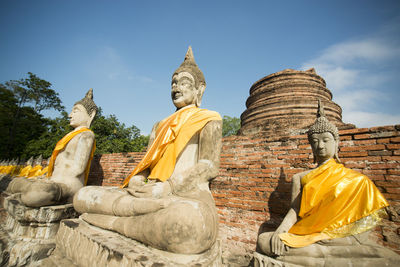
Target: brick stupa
[[286, 102]]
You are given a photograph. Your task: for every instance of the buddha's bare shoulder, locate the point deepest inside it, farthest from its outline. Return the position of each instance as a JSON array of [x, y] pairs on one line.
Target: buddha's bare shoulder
[[297, 177], [86, 135]]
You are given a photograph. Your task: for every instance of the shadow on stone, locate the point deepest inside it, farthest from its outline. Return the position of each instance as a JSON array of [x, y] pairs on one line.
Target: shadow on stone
[[96, 174], [278, 205]]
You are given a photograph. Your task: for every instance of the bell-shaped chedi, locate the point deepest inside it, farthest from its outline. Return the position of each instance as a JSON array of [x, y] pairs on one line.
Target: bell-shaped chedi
[[284, 102]]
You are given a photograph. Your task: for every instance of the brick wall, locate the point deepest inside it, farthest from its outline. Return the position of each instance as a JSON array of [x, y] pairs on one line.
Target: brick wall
[[252, 191]]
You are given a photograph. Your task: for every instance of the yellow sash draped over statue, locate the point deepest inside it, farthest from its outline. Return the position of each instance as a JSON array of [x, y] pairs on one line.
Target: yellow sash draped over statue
[[44, 171], [25, 171], [62, 144], [35, 171], [172, 135], [336, 202]]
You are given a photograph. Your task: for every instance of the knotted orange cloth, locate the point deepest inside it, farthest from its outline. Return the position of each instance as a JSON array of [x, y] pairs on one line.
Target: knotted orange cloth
[[172, 135], [336, 202], [62, 144]]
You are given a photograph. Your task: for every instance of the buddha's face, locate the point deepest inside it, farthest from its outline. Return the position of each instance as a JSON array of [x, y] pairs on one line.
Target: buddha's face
[[323, 145], [79, 116], [183, 90]]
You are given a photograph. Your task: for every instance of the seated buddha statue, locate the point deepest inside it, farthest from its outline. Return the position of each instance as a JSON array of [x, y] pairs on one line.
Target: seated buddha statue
[[166, 202], [69, 164], [332, 211]]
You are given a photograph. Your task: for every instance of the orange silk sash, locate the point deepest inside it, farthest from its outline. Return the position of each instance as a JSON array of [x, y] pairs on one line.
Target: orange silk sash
[[172, 135], [333, 198], [62, 144]]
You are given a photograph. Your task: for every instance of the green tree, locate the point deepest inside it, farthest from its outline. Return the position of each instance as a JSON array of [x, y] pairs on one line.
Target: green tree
[[111, 136], [24, 99], [114, 137], [230, 126], [55, 129]]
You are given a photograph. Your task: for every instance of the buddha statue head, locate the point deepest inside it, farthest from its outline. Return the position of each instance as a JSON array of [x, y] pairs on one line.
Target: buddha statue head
[[29, 162], [188, 83], [38, 160], [83, 112], [323, 137]]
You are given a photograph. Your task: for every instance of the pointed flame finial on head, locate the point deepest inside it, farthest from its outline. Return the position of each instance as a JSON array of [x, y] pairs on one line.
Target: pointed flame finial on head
[[88, 102], [89, 94], [323, 125], [189, 55], [321, 111], [189, 65]]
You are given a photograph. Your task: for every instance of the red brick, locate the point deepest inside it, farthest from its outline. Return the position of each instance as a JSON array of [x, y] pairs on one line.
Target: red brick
[[394, 171], [379, 153], [300, 151], [384, 166], [382, 128], [395, 139], [364, 142], [354, 131], [387, 184], [392, 158], [346, 137], [359, 165], [393, 146], [353, 154], [360, 148], [393, 190], [373, 172], [392, 177], [362, 136]]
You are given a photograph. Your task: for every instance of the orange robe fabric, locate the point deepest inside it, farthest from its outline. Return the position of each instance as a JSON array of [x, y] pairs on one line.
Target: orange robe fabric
[[62, 144], [172, 135], [334, 199]]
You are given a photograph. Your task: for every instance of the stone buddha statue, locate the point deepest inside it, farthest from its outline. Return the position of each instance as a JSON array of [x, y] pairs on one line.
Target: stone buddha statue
[[69, 164], [166, 202], [332, 211]]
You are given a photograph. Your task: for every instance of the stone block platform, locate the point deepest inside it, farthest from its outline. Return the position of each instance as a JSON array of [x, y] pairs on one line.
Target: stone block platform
[[28, 234], [86, 245]]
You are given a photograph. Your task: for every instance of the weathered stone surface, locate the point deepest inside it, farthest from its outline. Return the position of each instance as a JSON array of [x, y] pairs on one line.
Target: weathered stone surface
[[22, 251], [265, 261], [178, 203], [86, 245], [46, 214], [333, 257], [69, 165], [27, 234], [285, 101]]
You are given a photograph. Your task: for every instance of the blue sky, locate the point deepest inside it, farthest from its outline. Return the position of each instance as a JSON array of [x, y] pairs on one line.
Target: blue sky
[[127, 51]]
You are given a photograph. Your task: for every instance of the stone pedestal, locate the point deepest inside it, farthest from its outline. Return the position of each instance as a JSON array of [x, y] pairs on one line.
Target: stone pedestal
[[87, 245], [28, 234], [265, 261]]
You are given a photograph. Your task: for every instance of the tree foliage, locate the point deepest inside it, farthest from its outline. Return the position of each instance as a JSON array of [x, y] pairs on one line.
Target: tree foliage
[[22, 101], [230, 126], [25, 132], [111, 136], [55, 129]]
